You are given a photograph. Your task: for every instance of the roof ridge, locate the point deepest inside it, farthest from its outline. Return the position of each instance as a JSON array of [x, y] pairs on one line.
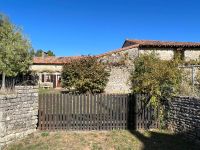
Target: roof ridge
[[118, 50], [135, 40]]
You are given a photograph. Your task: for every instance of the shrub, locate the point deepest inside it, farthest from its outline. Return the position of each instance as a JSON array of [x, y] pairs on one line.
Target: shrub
[[159, 78], [85, 75]]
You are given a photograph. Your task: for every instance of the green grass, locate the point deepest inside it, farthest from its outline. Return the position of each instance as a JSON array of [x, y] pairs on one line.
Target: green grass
[[104, 140], [50, 90]]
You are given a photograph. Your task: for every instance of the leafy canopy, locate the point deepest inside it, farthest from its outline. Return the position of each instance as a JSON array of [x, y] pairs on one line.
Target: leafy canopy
[[39, 52], [14, 49], [85, 75], [159, 78]]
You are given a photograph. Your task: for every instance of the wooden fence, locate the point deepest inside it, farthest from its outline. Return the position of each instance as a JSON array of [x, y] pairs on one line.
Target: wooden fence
[[93, 112]]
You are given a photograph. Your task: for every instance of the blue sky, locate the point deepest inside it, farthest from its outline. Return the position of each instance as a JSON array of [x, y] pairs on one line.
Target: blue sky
[[76, 27]]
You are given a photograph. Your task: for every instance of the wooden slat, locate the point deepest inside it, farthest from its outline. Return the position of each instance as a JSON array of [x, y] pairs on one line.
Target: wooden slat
[[114, 111], [53, 115], [57, 111], [104, 112], [77, 111], [110, 112], [87, 112], [100, 111], [120, 112], [50, 111], [107, 111], [44, 112], [69, 111], [65, 117], [95, 113], [91, 111], [40, 112], [74, 113], [84, 126], [80, 113], [61, 111]]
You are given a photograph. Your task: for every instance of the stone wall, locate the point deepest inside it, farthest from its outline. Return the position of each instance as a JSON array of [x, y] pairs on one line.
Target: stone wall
[[46, 68], [120, 65], [192, 54], [184, 117], [118, 80], [18, 114], [164, 54], [124, 57]]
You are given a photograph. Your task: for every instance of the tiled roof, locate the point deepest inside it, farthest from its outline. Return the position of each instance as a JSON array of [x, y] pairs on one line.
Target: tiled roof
[[128, 44], [54, 60], [118, 50], [153, 43]]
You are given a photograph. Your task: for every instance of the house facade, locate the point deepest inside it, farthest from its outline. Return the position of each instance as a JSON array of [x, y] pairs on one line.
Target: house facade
[[120, 62], [48, 69]]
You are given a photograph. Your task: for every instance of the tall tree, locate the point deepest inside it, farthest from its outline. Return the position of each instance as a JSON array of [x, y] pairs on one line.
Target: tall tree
[[14, 50]]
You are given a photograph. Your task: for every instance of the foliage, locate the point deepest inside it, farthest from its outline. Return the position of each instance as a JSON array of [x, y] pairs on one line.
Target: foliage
[[85, 75], [197, 83], [159, 78], [15, 49], [50, 53], [39, 52]]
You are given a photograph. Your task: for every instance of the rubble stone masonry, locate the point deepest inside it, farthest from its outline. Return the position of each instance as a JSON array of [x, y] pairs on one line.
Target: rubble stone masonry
[[18, 114], [184, 117]]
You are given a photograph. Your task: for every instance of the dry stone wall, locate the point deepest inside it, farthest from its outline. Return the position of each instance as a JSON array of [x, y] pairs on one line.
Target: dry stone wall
[[184, 117], [18, 114]]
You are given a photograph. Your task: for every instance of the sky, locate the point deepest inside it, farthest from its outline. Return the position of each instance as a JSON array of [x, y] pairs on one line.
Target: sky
[[82, 27]]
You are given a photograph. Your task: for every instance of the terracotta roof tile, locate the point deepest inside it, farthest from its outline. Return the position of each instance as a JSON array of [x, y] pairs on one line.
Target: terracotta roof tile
[[149, 43], [118, 50], [54, 60]]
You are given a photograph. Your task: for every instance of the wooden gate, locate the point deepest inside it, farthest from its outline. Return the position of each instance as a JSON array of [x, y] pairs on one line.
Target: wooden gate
[[82, 112], [92, 112]]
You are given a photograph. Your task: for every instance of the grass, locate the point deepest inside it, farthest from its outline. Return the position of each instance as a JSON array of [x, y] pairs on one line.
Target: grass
[[49, 90], [103, 140]]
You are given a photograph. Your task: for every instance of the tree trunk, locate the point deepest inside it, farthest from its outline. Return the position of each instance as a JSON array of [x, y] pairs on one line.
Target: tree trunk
[[3, 81]]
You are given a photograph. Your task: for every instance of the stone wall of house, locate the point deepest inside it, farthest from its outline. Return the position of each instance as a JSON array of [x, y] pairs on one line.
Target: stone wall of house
[[18, 114], [46, 68], [120, 64], [192, 54], [119, 80], [164, 54], [184, 117], [120, 58]]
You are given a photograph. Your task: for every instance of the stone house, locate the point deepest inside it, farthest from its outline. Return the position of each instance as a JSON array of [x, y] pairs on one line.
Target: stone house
[[49, 68], [120, 61]]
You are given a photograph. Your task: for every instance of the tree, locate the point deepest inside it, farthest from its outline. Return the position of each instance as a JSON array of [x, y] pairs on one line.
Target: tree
[[159, 78], [85, 75], [14, 50], [39, 52], [50, 53]]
